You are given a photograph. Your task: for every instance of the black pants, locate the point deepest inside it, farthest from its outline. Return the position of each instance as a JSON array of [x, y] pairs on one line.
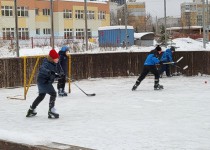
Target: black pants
[[41, 96], [148, 69], [165, 67], [61, 82]]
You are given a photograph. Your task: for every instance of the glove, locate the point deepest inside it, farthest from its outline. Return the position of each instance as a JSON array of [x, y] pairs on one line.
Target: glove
[[52, 73], [62, 74], [161, 63]]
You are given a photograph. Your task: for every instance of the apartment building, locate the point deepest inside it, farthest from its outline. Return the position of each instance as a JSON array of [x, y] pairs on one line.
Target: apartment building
[[136, 15], [34, 18], [192, 13]]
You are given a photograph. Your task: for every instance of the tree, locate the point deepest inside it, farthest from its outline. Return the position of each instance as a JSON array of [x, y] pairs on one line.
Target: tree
[[162, 35]]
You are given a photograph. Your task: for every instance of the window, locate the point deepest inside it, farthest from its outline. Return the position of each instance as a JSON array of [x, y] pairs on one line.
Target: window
[[46, 12], [79, 33], [8, 33], [6, 11], [67, 13], [37, 11], [79, 14], [101, 15], [90, 15], [23, 33], [46, 31], [37, 31], [68, 34], [22, 11], [89, 33]]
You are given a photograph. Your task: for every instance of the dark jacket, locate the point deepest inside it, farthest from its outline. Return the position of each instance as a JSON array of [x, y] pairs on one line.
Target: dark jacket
[[167, 56], [63, 61], [46, 76]]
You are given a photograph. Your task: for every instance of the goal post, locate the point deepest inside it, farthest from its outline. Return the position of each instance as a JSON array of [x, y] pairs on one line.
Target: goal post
[[27, 83]]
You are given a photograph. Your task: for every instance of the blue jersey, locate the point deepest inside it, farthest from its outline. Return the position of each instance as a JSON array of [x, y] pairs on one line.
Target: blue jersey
[[151, 60], [167, 56]]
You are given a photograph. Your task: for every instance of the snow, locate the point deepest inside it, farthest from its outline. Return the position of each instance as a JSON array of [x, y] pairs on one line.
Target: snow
[[116, 118], [182, 44], [114, 27]]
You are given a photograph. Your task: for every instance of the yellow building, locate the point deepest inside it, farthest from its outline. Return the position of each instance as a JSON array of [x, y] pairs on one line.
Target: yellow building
[[136, 13], [34, 18], [192, 13]]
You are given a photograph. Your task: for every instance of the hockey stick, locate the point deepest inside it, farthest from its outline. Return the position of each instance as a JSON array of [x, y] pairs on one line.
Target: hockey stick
[[93, 94], [184, 68], [174, 62], [77, 85]]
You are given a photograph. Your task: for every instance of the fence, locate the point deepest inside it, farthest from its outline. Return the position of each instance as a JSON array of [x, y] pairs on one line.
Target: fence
[[101, 65]]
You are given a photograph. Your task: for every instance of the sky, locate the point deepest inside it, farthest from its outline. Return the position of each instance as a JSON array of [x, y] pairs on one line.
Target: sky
[[175, 118], [156, 7]]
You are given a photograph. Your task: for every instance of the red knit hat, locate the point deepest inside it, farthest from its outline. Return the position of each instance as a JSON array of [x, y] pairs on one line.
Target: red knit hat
[[53, 54]]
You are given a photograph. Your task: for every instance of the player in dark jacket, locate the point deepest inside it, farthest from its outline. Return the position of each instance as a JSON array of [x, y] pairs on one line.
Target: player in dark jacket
[[150, 66], [63, 64], [167, 57], [47, 73]]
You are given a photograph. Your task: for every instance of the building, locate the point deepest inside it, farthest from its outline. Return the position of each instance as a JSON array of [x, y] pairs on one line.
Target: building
[[34, 18], [192, 13], [170, 21], [136, 13]]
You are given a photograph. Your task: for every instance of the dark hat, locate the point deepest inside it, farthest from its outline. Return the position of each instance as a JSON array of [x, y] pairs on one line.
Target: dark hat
[[158, 48], [64, 49], [172, 48], [53, 54]]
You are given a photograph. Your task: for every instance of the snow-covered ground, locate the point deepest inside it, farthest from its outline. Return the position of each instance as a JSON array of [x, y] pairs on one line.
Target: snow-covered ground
[[182, 44], [176, 118]]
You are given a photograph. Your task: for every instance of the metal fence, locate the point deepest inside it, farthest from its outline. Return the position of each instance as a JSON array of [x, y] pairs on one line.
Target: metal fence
[[101, 65]]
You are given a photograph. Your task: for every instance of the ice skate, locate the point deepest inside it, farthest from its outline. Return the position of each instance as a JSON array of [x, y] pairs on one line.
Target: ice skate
[[52, 114], [31, 112], [136, 85], [158, 87], [62, 93]]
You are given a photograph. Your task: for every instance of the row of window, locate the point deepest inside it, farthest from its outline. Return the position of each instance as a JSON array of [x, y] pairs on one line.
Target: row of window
[[23, 12], [9, 33]]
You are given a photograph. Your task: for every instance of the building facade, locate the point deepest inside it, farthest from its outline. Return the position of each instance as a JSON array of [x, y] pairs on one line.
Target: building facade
[[34, 18], [136, 15], [192, 13]]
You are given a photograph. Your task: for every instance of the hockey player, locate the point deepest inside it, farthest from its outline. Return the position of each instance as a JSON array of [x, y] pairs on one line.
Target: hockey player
[[167, 57], [47, 73], [63, 66], [150, 66]]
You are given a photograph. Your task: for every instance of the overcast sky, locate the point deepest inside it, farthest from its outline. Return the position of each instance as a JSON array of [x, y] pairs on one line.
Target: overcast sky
[[156, 7]]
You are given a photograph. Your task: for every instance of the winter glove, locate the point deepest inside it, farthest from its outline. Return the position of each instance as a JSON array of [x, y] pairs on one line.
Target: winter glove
[[161, 63], [62, 75]]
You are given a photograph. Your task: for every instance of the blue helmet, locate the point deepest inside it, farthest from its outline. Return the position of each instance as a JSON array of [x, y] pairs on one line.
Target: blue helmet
[[64, 49]]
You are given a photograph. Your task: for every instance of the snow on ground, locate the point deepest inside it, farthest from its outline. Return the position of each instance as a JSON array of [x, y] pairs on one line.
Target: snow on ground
[[182, 44], [117, 118]]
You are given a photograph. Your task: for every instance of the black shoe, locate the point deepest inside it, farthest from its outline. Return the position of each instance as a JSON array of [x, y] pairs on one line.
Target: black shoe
[[158, 87], [31, 112], [52, 114]]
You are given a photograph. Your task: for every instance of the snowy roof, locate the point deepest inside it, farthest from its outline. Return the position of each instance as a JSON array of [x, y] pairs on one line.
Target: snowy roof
[[186, 27], [140, 35], [114, 27]]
